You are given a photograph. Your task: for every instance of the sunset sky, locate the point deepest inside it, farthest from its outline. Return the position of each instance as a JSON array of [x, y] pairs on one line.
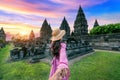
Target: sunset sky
[[22, 16]]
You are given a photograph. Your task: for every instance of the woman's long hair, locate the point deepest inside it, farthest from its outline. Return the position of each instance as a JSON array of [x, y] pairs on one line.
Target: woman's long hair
[[55, 48]]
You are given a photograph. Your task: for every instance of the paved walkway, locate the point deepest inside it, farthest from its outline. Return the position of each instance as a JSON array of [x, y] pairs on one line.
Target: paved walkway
[[79, 58], [107, 50]]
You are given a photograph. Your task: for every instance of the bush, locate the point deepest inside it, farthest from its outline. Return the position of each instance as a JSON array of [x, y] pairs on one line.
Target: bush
[[106, 29]]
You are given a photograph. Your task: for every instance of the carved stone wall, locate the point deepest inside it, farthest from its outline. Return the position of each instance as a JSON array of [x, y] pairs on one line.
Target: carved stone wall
[[104, 41]]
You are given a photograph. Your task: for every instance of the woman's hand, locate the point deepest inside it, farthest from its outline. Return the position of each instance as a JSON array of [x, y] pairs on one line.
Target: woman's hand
[[57, 75], [64, 72]]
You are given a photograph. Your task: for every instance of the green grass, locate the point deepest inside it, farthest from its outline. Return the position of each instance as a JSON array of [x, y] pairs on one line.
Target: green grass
[[101, 65], [21, 70]]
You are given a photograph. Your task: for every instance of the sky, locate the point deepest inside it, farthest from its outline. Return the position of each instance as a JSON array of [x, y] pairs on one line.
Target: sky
[[22, 16]]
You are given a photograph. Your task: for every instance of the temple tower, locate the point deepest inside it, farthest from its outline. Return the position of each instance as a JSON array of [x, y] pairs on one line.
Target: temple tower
[[96, 23], [45, 32], [80, 24], [2, 34], [65, 26], [32, 36]]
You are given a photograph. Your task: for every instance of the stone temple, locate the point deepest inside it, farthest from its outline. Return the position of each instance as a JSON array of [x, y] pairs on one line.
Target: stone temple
[[96, 23], [45, 32], [2, 37], [80, 24], [65, 26], [76, 46]]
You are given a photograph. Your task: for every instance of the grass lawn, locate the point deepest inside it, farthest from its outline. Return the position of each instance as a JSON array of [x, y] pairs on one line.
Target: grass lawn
[[21, 70], [99, 66]]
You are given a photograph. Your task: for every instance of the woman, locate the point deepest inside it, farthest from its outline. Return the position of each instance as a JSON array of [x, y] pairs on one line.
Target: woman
[[58, 49]]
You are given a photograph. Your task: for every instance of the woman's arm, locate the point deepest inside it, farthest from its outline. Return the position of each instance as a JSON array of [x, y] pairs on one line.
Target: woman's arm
[[63, 61]]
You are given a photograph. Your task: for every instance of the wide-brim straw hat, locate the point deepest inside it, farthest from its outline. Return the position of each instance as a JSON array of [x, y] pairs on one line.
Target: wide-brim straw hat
[[57, 34]]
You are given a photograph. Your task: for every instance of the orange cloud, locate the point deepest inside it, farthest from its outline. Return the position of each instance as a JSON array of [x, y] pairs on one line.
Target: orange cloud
[[14, 28]]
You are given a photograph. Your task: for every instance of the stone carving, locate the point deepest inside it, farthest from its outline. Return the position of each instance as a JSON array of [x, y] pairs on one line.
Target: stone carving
[[23, 52]]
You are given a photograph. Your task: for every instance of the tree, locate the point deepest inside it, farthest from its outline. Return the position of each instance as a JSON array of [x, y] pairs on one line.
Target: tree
[[106, 29]]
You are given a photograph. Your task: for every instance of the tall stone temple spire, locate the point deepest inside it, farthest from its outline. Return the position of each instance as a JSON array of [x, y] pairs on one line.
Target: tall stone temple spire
[[96, 23], [32, 36], [46, 31], [2, 31], [2, 34], [65, 26], [50, 31], [80, 24]]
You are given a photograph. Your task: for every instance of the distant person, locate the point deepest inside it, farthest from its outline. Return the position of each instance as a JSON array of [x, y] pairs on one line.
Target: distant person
[[60, 61]]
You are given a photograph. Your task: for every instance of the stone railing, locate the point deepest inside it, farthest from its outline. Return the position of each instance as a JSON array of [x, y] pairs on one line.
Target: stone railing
[[23, 52], [73, 50]]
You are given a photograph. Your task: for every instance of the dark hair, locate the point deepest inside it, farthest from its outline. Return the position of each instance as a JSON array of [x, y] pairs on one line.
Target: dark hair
[[55, 48]]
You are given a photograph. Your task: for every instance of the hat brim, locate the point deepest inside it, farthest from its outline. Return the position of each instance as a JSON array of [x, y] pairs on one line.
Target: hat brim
[[59, 36]]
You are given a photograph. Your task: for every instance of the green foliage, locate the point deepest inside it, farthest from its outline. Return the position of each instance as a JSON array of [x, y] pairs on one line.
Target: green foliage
[[106, 29], [2, 41]]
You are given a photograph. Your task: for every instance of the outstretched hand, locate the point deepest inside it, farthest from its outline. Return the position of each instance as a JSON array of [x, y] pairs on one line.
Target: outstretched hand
[[59, 74]]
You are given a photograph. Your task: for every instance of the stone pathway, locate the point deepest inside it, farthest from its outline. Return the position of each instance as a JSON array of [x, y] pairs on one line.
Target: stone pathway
[[46, 60], [107, 51], [79, 58]]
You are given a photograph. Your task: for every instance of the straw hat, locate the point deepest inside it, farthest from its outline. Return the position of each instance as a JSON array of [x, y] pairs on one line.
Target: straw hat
[[57, 34]]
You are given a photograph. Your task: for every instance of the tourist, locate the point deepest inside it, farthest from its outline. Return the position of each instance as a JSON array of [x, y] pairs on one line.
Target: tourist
[[59, 61]]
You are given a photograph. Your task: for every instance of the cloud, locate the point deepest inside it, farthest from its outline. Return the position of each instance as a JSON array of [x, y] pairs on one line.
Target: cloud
[[23, 7], [45, 9], [18, 25], [14, 28], [67, 4], [26, 19]]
